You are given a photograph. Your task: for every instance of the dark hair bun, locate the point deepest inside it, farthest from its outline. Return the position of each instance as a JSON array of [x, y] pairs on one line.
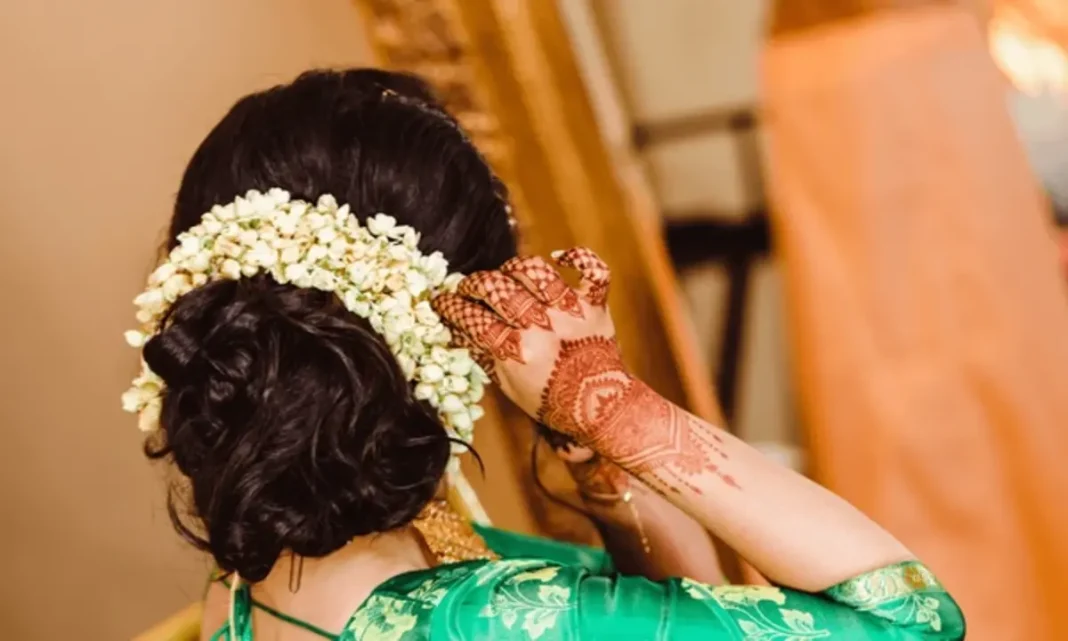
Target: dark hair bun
[[292, 421], [287, 413]]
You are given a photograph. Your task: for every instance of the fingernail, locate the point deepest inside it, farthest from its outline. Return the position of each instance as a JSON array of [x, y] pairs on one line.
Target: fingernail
[[557, 254]]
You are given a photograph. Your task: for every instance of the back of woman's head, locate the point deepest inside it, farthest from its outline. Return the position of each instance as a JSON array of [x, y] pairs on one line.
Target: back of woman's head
[[289, 415]]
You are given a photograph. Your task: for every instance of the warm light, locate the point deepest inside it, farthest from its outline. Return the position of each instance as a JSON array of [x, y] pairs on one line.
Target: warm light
[[1035, 65]]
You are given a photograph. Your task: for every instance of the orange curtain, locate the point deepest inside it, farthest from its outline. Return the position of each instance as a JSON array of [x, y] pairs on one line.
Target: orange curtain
[[929, 319]]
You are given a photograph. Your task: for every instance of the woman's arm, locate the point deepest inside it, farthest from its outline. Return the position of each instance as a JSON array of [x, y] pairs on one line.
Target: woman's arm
[[645, 534], [553, 351], [794, 531]]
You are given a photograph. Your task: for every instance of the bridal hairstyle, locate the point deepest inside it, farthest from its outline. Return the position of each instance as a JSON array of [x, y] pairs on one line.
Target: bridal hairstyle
[[288, 416]]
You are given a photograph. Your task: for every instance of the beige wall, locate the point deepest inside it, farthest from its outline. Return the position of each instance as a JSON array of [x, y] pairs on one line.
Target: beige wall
[[102, 104]]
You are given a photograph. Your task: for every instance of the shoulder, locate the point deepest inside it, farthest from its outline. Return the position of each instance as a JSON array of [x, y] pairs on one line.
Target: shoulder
[[482, 599], [540, 600], [530, 599], [405, 607]]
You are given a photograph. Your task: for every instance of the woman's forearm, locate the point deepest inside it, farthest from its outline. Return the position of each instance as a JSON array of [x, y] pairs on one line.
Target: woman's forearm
[[553, 351], [792, 530], [645, 534]]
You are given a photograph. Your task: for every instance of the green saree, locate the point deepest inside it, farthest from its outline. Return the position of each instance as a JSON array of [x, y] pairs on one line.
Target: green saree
[[544, 590]]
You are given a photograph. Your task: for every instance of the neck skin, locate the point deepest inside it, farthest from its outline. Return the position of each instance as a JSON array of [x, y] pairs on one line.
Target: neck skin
[[332, 587]]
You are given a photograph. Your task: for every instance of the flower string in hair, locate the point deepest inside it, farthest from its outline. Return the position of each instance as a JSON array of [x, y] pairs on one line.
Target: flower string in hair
[[376, 270]]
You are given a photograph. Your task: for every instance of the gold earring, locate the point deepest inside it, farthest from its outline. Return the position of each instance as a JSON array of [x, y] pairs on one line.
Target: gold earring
[[448, 537]]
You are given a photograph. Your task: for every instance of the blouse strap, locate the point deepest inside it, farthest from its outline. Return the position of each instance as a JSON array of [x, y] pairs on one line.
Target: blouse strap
[[245, 600]]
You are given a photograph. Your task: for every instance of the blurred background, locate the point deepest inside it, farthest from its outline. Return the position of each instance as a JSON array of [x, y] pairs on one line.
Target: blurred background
[[834, 224]]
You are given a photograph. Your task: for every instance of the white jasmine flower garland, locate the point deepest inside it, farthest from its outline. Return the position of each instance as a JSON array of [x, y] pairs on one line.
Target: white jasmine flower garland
[[376, 270]]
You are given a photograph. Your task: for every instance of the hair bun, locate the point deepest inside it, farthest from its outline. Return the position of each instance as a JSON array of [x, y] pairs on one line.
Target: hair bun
[[292, 421], [289, 415]]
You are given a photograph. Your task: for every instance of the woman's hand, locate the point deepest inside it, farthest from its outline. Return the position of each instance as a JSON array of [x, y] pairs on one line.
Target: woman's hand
[[553, 351], [551, 347]]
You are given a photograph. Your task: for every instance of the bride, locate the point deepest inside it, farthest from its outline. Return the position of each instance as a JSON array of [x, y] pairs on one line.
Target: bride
[[341, 283]]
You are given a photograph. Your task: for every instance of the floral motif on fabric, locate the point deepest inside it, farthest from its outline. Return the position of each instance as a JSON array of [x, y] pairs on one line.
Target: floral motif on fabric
[[385, 617], [530, 600], [757, 611], [898, 593]]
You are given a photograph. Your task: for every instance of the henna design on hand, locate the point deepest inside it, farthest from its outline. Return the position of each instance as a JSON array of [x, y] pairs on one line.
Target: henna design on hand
[[591, 397], [486, 330], [544, 283], [508, 298], [587, 378], [596, 276]]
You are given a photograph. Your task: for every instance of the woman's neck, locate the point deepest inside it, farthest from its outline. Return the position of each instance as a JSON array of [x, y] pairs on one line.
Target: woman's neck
[[326, 590]]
